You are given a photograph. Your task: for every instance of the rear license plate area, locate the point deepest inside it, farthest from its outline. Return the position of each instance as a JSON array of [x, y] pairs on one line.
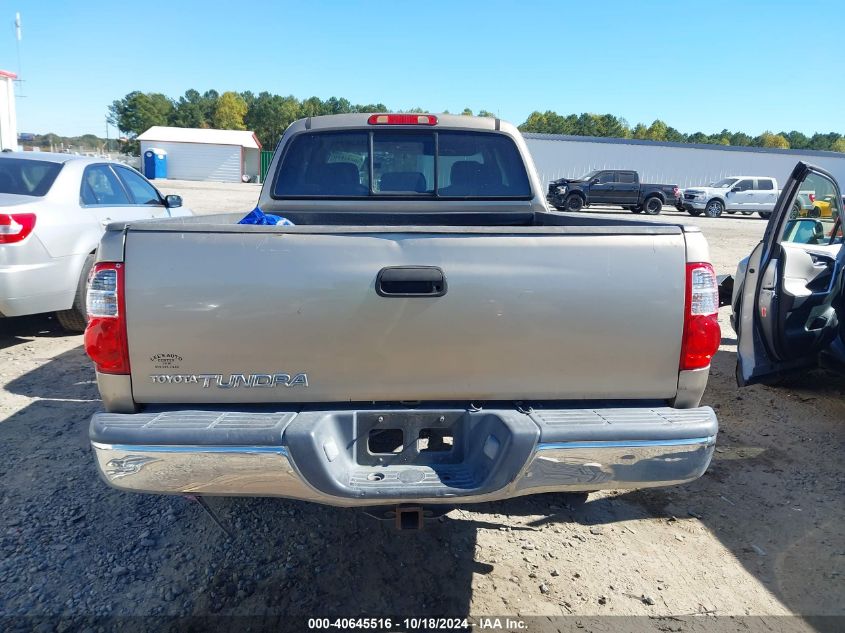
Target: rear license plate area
[[416, 437]]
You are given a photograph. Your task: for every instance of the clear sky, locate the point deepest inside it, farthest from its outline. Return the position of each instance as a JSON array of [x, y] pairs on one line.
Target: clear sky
[[699, 66]]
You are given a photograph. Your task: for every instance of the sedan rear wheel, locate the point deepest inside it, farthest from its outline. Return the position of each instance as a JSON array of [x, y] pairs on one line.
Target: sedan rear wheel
[[75, 319]]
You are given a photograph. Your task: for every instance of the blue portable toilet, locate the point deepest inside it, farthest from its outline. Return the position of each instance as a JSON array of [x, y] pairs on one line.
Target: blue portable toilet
[[155, 163]]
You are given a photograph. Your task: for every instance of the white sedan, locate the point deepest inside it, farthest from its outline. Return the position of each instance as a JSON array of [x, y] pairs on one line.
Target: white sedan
[[53, 210]]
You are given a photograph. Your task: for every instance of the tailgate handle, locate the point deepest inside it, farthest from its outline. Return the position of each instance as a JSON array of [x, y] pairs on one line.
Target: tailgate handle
[[411, 281]]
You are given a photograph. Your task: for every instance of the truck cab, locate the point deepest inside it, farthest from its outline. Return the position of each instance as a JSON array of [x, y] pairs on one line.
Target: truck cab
[[611, 187]]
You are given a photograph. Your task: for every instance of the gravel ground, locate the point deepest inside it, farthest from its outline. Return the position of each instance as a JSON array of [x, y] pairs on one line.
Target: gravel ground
[[760, 534]]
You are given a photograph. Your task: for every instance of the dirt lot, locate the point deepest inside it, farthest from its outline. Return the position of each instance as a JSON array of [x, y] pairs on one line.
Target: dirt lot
[[762, 533]]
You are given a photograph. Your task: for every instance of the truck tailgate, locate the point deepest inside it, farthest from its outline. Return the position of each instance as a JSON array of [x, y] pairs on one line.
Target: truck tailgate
[[293, 316]]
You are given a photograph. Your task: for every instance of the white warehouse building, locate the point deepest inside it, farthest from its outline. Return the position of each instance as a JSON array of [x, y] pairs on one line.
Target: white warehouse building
[[205, 154], [683, 164], [8, 116]]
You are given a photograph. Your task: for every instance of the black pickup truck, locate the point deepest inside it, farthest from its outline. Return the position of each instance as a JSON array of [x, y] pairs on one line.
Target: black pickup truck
[[612, 187]]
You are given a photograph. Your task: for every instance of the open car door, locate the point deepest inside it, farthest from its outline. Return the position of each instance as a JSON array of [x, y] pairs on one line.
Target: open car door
[[791, 307]]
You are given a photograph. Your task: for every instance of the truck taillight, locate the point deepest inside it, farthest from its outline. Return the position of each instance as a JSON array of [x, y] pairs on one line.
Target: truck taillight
[[702, 334], [812, 197], [105, 336], [676, 192], [402, 119], [14, 227]]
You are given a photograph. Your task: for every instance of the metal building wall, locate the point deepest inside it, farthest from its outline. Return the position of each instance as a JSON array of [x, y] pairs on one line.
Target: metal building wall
[[670, 163], [200, 161], [8, 117]]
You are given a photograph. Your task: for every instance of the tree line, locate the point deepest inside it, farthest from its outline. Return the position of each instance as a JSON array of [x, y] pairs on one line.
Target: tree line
[[269, 114], [608, 125]]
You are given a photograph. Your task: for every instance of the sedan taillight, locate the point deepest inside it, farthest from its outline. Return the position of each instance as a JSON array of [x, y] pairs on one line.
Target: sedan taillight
[[15, 227]]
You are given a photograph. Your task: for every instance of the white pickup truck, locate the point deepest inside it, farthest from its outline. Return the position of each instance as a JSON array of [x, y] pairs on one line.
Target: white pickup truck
[[426, 333], [743, 194]]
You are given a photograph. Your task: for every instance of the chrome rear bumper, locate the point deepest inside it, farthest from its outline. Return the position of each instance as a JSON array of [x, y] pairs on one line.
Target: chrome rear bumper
[[558, 450]]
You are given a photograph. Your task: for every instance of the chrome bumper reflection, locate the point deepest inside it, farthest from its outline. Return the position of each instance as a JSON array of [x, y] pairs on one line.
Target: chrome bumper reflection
[[268, 471], [581, 466]]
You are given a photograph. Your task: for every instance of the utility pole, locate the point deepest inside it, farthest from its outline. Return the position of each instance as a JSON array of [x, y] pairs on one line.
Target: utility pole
[[18, 37]]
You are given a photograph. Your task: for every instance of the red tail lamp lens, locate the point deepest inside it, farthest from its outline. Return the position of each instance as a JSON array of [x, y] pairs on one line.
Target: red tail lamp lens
[[702, 334], [105, 336]]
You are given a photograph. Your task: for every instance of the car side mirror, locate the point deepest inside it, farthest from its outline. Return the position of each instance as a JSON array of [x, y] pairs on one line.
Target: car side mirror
[[594, 181], [173, 201], [735, 189]]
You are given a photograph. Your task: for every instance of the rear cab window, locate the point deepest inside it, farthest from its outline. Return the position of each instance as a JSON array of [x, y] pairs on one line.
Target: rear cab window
[[402, 163], [25, 177]]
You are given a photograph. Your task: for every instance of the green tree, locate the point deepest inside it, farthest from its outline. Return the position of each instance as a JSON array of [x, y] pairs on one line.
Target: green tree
[[269, 115], [139, 111], [486, 113], [336, 106], [230, 112], [536, 122], [658, 130], [371, 108], [640, 131], [767, 139], [823, 141], [610, 125], [467, 112], [311, 107], [194, 109], [741, 139], [838, 145], [796, 139], [675, 136], [698, 137], [136, 113]]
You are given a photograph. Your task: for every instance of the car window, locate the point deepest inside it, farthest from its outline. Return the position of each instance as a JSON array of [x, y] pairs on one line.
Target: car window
[[26, 177], [325, 164], [725, 182], [101, 186], [141, 191], [627, 177], [765, 184], [478, 165], [606, 177], [404, 163], [745, 185], [814, 212]]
